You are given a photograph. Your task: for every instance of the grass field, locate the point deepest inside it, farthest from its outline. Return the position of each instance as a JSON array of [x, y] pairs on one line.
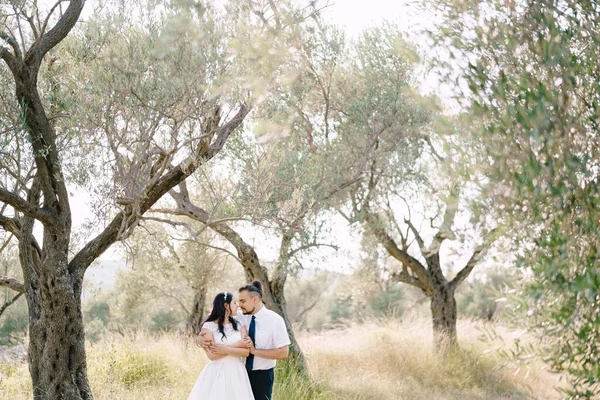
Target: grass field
[[375, 360]]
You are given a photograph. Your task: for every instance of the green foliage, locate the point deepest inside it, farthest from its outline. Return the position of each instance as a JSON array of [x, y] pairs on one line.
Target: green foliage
[[96, 317], [291, 383], [14, 319], [484, 296], [341, 310], [99, 311], [131, 367], [533, 86], [164, 321], [388, 302], [13, 326]]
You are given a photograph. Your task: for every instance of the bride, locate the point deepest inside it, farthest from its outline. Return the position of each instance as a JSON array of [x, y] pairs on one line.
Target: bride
[[225, 376]]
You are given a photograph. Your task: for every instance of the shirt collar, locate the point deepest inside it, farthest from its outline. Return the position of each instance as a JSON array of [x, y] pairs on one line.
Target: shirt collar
[[261, 311]]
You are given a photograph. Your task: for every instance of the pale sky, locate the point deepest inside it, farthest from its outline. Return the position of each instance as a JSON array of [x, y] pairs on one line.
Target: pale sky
[[356, 15]]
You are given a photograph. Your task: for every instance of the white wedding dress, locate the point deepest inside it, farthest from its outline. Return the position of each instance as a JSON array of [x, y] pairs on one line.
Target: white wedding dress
[[225, 378]]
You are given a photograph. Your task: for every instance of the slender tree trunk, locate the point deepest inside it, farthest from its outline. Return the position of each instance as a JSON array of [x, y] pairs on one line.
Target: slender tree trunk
[[443, 313], [273, 295], [280, 307], [277, 285], [197, 313]]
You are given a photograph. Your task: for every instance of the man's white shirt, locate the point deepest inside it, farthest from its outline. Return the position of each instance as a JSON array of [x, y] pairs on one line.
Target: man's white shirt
[[270, 333]]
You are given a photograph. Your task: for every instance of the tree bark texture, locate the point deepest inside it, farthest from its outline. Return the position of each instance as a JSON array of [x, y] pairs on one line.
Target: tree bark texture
[[443, 315], [197, 312]]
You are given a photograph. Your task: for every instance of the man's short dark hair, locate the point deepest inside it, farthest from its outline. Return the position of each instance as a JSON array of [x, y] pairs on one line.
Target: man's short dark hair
[[254, 289]]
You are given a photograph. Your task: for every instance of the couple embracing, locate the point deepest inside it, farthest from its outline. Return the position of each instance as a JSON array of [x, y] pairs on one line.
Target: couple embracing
[[242, 348]]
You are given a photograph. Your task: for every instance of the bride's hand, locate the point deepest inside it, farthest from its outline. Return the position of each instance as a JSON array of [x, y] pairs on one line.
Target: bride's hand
[[219, 349], [247, 342], [203, 342]]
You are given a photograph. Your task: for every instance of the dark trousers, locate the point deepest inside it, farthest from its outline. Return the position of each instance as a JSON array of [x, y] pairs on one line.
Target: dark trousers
[[262, 383]]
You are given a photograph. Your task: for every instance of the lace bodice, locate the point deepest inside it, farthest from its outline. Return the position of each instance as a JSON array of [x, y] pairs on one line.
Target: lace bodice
[[231, 335]]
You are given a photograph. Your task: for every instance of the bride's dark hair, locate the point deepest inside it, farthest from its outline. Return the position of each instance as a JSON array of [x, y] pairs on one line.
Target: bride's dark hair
[[218, 312]]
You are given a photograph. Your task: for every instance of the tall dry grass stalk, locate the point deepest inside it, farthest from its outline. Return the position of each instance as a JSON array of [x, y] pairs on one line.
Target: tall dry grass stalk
[[374, 360]]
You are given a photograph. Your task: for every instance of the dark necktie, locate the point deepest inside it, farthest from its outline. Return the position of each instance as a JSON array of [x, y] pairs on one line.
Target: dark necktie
[[251, 332]]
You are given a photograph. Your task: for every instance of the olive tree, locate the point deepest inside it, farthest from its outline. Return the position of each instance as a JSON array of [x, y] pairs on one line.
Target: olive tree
[[125, 109], [278, 184], [530, 84]]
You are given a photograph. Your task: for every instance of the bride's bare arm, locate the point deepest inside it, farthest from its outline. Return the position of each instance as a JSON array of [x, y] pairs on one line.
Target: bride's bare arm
[[241, 343], [210, 351], [232, 351]]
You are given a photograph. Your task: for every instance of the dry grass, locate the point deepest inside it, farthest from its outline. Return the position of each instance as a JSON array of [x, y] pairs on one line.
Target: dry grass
[[376, 360], [395, 361]]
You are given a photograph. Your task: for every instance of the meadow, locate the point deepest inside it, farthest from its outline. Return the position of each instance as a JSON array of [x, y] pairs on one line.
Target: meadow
[[372, 360]]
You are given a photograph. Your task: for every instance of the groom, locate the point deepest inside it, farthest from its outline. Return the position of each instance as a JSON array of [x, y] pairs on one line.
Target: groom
[[267, 340]]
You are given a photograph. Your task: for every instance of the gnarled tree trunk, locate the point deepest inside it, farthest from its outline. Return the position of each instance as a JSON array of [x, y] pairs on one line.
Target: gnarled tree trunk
[[428, 276], [56, 353], [57, 360], [443, 315]]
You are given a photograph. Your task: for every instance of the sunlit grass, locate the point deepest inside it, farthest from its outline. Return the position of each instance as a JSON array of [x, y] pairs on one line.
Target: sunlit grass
[[375, 360], [396, 361]]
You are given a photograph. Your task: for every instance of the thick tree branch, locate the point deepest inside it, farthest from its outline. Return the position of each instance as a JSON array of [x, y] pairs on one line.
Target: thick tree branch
[[8, 58], [445, 230], [392, 248], [226, 130], [22, 205], [45, 23], [13, 226], [405, 277], [479, 252], [12, 283], [11, 59], [10, 225], [246, 254], [280, 273], [55, 35], [175, 176]]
